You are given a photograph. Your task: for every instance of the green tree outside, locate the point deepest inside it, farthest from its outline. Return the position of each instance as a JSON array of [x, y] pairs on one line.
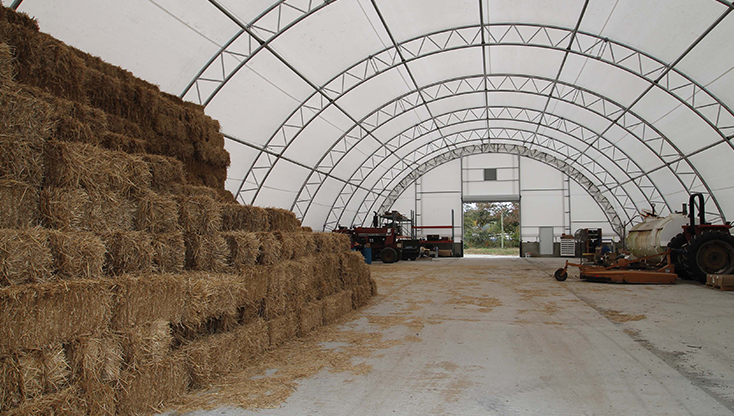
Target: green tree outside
[[484, 223]]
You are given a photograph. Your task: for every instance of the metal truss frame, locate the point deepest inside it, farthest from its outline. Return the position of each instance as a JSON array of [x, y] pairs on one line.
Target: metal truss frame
[[698, 99], [527, 85]]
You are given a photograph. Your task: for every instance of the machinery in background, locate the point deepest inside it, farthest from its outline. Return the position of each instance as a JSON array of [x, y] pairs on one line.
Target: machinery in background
[[389, 238], [663, 248]]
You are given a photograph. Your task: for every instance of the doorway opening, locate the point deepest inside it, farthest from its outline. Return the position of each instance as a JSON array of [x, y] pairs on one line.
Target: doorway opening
[[492, 228]]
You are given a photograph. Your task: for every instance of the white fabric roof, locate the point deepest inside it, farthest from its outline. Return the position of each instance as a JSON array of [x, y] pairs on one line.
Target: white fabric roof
[[331, 107]]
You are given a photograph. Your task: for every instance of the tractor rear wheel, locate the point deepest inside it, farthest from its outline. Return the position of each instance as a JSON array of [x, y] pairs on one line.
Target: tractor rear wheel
[[389, 255], [709, 252]]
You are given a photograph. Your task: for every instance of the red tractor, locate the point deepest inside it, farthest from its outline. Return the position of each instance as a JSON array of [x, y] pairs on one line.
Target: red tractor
[[387, 240]]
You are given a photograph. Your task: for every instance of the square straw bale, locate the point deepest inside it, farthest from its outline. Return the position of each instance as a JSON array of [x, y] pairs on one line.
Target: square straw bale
[[354, 271], [244, 249], [19, 204], [361, 295], [122, 143], [142, 299], [207, 253], [6, 64], [30, 365], [282, 220], [167, 173], [305, 290], [156, 214], [128, 252], [282, 329], [301, 243], [43, 371], [336, 306], [95, 169], [332, 242], [311, 316], [306, 229], [24, 112], [95, 359], [66, 209], [148, 388], [281, 291], [147, 343], [221, 354], [35, 315], [270, 249], [77, 254], [236, 217], [199, 215], [21, 159], [25, 257], [194, 190], [328, 273], [64, 403], [213, 295], [169, 252], [10, 382], [111, 211], [288, 244]]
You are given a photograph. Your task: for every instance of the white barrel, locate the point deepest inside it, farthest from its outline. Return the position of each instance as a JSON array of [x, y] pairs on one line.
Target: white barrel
[[653, 235]]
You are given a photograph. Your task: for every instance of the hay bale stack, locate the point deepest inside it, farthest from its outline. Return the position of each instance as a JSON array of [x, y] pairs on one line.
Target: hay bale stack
[[19, 204], [199, 215], [244, 249], [169, 252], [76, 122], [213, 295], [147, 343], [25, 257], [194, 190], [281, 298], [77, 254], [207, 253], [282, 220], [336, 306], [361, 295], [328, 272], [37, 315], [64, 403], [96, 364], [149, 387], [306, 229], [10, 381], [220, 354], [21, 159], [167, 173], [331, 242], [128, 252], [111, 211], [156, 214], [311, 316], [288, 245], [270, 249], [142, 299], [122, 143], [236, 217], [6, 64], [354, 271], [66, 209], [43, 371], [282, 329], [23, 113], [75, 165]]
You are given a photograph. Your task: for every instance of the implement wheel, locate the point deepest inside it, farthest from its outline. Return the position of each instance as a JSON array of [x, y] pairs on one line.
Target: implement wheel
[[389, 255], [710, 252], [561, 275]]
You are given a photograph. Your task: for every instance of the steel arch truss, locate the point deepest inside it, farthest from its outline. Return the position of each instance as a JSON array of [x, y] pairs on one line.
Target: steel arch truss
[[580, 178]]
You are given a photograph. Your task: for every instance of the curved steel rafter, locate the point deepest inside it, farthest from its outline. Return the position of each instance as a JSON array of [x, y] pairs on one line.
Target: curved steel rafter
[[697, 99]]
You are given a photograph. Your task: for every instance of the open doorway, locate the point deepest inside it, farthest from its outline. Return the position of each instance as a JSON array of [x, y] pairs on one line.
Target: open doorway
[[492, 228]]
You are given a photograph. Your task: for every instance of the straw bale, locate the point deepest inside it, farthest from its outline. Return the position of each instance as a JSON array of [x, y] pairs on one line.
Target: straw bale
[[310, 285], [146, 388], [77, 254], [214, 295], [147, 343], [373, 287], [55, 368], [282, 290], [220, 354], [311, 317], [354, 270], [336, 306], [30, 365], [24, 257], [128, 252], [236, 217], [6, 64], [244, 249], [21, 159], [207, 253], [282, 220], [125, 127], [361, 295], [288, 244], [199, 215], [24, 113], [156, 214], [167, 173], [270, 249], [306, 229], [301, 243], [193, 190], [122, 143], [64, 403], [95, 359], [331, 242], [19, 204], [95, 169], [18, 18], [66, 209], [328, 273], [35, 315], [10, 381], [111, 211], [142, 299], [282, 329], [169, 252]]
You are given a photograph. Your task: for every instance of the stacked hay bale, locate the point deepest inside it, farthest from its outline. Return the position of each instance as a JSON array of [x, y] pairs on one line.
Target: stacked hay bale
[[124, 281]]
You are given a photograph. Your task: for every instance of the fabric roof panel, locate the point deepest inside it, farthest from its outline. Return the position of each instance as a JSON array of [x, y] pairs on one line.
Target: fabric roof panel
[[447, 65], [373, 93], [606, 80], [411, 18], [562, 13], [523, 60]]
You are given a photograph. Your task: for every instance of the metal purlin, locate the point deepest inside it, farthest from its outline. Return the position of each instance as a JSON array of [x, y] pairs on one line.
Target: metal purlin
[[391, 110], [712, 111], [458, 139], [549, 160]]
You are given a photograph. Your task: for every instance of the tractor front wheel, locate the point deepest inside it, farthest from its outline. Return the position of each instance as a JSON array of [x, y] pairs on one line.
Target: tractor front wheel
[[389, 255]]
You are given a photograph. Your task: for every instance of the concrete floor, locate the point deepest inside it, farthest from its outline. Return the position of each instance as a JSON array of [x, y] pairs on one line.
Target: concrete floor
[[499, 336]]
